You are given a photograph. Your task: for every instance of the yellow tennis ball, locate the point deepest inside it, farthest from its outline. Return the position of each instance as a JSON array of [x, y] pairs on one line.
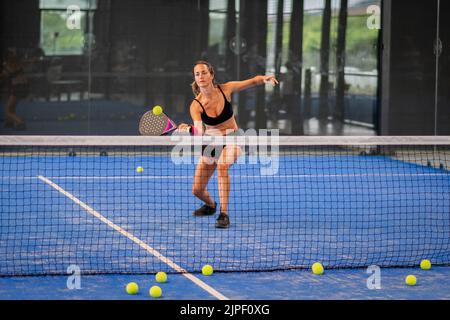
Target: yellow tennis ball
[[161, 277], [157, 110], [207, 270], [425, 264], [139, 169], [317, 268], [132, 288], [155, 292], [410, 280]]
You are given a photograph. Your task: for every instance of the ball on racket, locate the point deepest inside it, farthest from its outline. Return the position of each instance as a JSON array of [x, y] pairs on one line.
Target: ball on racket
[[425, 264], [157, 110], [155, 292], [132, 288], [139, 169], [410, 280], [161, 277], [317, 268], [207, 270]]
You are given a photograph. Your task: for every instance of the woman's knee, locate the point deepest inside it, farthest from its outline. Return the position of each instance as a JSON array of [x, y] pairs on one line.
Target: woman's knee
[[197, 190]]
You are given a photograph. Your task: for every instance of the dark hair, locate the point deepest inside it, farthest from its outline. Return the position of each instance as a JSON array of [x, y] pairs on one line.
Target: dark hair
[[195, 88]]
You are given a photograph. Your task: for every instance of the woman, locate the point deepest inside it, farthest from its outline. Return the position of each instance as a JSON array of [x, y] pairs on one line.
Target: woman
[[17, 83], [212, 114]]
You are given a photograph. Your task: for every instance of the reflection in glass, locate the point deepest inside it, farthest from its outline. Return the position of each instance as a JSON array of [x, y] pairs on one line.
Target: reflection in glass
[[98, 74]]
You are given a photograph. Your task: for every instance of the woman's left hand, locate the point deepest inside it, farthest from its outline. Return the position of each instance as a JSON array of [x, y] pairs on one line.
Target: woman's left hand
[[270, 79]]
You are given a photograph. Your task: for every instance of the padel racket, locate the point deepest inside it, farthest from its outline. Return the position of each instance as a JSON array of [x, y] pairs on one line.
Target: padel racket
[[156, 123]]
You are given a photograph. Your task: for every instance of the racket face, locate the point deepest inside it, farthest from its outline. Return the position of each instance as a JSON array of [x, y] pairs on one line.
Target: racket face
[[155, 125]]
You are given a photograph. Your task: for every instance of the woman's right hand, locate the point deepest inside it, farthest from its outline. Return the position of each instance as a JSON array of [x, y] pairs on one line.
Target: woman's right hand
[[184, 127]]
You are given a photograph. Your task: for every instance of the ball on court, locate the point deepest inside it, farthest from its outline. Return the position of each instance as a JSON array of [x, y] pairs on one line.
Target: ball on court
[[161, 277], [139, 169], [317, 268], [410, 280], [155, 292], [132, 288], [207, 270], [425, 264], [157, 110]]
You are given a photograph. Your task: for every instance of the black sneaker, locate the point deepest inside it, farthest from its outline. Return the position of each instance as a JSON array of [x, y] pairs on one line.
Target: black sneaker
[[205, 210], [223, 221]]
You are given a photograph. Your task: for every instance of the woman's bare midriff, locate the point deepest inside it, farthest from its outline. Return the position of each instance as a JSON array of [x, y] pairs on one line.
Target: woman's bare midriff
[[222, 129]]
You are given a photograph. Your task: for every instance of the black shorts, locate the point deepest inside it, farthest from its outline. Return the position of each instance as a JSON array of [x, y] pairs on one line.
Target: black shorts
[[212, 151]]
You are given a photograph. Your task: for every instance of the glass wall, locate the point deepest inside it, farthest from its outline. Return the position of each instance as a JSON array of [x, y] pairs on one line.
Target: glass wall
[[93, 67]]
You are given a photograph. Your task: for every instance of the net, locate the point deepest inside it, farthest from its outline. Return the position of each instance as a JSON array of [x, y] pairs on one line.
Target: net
[[344, 201]]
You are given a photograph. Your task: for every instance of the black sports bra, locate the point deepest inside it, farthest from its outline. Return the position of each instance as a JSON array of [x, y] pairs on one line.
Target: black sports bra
[[226, 113]]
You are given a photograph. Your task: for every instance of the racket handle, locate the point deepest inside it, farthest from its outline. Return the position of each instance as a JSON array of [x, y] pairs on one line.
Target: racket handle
[[193, 130]]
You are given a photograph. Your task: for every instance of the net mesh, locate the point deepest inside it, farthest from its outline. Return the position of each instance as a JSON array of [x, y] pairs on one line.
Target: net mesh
[[346, 202]]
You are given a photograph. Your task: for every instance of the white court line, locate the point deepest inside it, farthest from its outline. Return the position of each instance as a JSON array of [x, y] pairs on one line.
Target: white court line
[[136, 240], [362, 175]]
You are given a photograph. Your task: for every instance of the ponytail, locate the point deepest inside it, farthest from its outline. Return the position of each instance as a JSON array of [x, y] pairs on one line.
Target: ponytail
[[195, 89]]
